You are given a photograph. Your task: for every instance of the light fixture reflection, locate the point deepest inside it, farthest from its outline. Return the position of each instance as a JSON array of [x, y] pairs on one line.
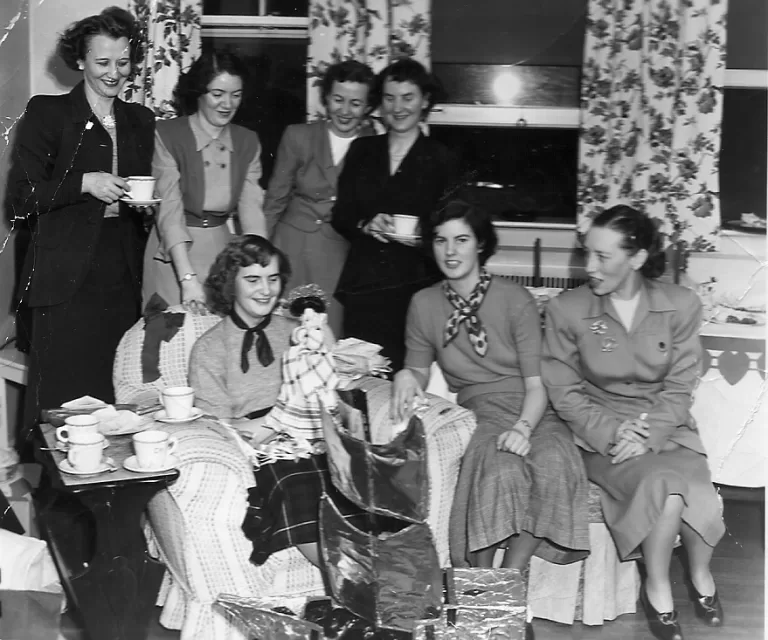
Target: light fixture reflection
[[506, 86]]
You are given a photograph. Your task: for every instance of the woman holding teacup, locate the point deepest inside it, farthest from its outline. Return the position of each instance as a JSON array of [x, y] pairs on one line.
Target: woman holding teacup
[[402, 172], [235, 371], [207, 169], [71, 158]]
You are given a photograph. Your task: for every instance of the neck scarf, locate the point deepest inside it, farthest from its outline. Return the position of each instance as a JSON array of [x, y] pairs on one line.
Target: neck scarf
[[263, 348], [465, 312]]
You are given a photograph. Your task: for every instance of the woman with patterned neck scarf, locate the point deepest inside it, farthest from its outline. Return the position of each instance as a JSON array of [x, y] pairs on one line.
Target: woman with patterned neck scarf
[[235, 370], [522, 483]]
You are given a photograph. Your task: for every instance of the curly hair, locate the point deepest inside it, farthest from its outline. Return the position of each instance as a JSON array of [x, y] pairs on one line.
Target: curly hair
[[478, 219], [348, 71], [194, 83], [240, 252], [409, 70], [638, 231], [113, 22]]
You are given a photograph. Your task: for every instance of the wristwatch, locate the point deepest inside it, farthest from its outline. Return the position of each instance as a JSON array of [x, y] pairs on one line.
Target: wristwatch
[[187, 276]]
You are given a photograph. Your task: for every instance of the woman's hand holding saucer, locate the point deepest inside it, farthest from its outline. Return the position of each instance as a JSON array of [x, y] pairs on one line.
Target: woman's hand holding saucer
[[104, 186], [380, 225]]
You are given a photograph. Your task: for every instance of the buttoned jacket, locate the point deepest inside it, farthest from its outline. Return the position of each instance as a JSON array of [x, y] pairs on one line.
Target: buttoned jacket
[[58, 141], [598, 373], [302, 189]]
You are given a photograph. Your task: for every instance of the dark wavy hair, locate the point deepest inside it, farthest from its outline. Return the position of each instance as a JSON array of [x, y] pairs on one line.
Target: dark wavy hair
[[349, 71], [194, 83], [409, 70], [113, 22], [243, 251], [477, 218], [638, 231]]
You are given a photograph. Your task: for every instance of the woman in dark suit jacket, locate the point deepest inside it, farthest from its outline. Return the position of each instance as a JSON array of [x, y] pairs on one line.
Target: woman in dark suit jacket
[[302, 189], [82, 271], [402, 172]]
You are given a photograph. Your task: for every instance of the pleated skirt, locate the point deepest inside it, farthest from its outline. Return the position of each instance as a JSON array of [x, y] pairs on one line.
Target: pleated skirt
[[501, 494], [635, 491]]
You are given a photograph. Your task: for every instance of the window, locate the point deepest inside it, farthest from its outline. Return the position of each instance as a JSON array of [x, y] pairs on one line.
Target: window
[[271, 38]]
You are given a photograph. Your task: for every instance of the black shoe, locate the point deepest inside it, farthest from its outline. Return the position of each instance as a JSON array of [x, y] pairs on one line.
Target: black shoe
[[708, 608], [529, 635], [664, 626]]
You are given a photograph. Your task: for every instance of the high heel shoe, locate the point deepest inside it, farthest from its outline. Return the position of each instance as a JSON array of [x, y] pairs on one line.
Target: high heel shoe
[[708, 608], [664, 626]]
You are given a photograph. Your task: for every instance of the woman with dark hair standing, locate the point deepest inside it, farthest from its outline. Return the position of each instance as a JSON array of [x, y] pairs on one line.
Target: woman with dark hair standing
[[83, 269], [402, 172], [621, 359], [207, 169], [302, 189]]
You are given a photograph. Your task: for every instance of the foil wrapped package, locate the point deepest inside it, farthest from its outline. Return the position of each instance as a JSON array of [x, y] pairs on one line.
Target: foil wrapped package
[[390, 579], [264, 620], [480, 604], [388, 479]]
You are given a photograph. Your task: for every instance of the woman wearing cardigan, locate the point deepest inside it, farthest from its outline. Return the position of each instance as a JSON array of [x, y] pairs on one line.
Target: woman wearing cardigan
[[403, 172], [302, 189], [622, 356], [83, 270], [207, 169]]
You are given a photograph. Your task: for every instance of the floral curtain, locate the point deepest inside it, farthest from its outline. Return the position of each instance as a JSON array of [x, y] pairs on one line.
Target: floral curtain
[[651, 107], [171, 34], [371, 31]]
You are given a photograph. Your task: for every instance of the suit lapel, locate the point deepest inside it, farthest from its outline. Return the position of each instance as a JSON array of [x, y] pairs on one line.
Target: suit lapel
[[321, 150]]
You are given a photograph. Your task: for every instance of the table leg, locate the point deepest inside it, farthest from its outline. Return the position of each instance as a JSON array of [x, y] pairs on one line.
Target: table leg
[[115, 591]]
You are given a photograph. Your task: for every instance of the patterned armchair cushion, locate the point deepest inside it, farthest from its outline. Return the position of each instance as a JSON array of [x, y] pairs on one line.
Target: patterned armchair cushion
[[127, 376], [196, 527]]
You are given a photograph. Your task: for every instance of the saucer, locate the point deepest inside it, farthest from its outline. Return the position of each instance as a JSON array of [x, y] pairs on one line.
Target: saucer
[[141, 203], [402, 236], [161, 416], [64, 446], [132, 464], [66, 467]]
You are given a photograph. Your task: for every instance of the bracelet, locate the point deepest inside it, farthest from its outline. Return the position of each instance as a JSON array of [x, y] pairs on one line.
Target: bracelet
[[187, 276], [525, 424]]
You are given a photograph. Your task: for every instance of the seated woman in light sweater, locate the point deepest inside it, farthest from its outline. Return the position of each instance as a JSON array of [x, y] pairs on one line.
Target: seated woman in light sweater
[[235, 369]]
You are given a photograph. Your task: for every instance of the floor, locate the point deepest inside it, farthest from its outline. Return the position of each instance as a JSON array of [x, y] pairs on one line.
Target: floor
[[738, 566]]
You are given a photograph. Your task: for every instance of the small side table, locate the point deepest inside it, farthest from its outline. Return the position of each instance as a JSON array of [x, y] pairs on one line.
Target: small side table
[[93, 528]]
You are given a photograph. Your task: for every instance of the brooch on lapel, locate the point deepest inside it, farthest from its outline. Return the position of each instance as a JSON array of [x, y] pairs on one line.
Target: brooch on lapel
[[609, 344], [88, 125], [598, 327]]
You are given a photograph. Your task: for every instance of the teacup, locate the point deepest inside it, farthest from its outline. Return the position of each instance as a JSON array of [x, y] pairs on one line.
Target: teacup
[[142, 188], [153, 448], [178, 402], [78, 429], [405, 225], [86, 454]]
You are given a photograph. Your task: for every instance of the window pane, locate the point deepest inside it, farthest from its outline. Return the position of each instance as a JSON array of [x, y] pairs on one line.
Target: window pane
[[275, 95], [743, 153], [289, 8]]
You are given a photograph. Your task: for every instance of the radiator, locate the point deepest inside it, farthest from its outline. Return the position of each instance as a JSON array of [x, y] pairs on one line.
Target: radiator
[[544, 281]]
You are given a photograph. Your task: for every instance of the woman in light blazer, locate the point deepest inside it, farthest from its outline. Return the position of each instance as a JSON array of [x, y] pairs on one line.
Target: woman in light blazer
[[622, 356], [302, 189]]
